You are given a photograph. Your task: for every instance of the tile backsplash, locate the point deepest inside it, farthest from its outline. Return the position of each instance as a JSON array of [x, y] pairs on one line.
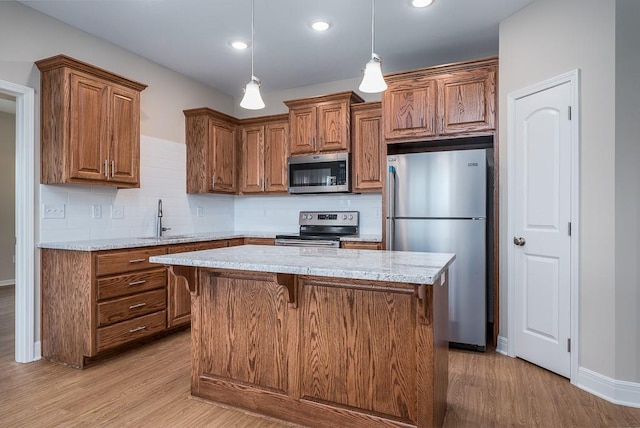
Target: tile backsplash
[[96, 212]]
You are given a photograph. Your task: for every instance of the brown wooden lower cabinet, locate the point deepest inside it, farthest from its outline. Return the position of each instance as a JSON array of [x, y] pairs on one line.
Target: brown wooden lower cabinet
[[178, 295], [321, 351], [96, 301], [259, 241], [358, 245]]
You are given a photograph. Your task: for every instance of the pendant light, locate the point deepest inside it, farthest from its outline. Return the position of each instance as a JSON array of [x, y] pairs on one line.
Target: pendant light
[[373, 82], [252, 99]]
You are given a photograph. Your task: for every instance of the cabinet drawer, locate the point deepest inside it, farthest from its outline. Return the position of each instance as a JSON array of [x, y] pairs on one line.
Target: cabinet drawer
[[121, 285], [125, 308], [198, 246], [131, 330], [127, 261]]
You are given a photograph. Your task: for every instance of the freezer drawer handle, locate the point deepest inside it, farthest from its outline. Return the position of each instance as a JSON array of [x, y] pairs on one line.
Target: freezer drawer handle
[[519, 241]]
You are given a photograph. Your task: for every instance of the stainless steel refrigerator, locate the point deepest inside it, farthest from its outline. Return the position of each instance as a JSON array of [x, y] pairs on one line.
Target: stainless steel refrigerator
[[437, 202]]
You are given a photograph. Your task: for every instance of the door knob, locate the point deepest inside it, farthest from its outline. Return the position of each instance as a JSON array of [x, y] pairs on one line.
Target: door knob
[[519, 241]]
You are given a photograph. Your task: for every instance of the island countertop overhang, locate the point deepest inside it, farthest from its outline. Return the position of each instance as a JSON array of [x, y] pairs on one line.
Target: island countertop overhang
[[372, 265]]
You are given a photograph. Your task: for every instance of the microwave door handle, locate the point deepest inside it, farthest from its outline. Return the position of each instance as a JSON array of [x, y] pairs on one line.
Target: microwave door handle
[[391, 208]]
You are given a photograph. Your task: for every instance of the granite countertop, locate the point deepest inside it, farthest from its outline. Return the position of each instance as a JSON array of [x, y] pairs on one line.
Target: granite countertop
[[375, 265], [121, 243]]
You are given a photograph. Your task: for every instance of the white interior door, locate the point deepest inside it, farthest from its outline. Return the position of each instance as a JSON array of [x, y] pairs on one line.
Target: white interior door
[[542, 215]]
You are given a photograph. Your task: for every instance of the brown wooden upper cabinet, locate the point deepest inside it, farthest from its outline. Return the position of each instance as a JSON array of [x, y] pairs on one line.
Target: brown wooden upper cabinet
[[90, 128], [211, 151], [368, 149], [264, 150], [441, 102], [321, 124]]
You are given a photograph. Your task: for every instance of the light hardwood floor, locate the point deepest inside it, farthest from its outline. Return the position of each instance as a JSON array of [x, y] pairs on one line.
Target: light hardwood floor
[[149, 387]]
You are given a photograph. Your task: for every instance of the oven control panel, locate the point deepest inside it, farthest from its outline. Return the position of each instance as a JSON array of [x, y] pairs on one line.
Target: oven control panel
[[329, 218]]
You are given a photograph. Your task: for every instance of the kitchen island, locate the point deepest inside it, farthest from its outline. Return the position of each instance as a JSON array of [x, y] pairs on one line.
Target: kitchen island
[[320, 336]]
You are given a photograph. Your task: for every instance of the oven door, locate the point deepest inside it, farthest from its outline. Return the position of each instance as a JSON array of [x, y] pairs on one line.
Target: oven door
[[300, 242], [319, 173]]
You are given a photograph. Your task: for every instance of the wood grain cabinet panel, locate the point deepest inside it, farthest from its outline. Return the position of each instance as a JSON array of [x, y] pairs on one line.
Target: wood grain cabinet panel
[[443, 102], [178, 294], [369, 154], [129, 283], [91, 130], [264, 150], [211, 151], [321, 124], [129, 331], [128, 307]]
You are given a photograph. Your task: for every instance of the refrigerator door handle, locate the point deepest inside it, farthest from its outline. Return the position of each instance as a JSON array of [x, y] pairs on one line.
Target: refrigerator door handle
[[391, 208]]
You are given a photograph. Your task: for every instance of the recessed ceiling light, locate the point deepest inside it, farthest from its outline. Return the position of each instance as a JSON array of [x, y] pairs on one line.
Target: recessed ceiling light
[[320, 25], [421, 3], [239, 44]]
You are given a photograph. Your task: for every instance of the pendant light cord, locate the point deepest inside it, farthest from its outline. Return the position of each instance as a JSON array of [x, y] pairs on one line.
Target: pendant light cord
[[252, 33], [373, 23]]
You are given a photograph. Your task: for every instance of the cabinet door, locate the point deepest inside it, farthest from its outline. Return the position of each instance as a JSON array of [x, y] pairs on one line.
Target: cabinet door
[[252, 172], [303, 130], [88, 145], [333, 127], [368, 150], [467, 102], [409, 108], [222, 158], [275, 163], [178, 294], [124, 146]]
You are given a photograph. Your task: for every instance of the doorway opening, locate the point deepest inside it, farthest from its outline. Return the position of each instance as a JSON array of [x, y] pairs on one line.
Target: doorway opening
[[25, 251]]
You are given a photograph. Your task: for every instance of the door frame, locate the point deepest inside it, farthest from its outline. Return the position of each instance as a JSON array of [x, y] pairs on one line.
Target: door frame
[[25, 303], [573, 78]]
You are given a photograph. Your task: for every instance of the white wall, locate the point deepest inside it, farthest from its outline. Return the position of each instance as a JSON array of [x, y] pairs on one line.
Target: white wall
[[547, 38], [280, 213], [627, 193], [7, 196], [162, 176]]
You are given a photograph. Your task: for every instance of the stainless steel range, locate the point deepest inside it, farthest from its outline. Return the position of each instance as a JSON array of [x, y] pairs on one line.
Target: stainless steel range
[[322, 229]]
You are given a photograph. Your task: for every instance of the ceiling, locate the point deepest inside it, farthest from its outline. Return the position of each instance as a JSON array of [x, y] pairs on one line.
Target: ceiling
[[191, 36]]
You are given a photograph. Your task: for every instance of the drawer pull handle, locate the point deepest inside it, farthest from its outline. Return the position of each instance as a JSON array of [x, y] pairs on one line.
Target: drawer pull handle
[[137, 260], [137, 282], [139, 305], [133, 330]]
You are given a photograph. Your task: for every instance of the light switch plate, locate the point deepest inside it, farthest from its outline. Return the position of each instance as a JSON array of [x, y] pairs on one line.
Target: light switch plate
[[53, 211], [96, 211], [199, 212], [117, 211]]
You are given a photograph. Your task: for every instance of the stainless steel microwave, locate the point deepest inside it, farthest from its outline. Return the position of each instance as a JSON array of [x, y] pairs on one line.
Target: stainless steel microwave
[[325, 173]]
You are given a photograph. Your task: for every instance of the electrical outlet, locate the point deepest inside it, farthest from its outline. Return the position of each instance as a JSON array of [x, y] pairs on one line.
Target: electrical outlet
[[117, 211], [199, 212], [97, 211], [53, 211]]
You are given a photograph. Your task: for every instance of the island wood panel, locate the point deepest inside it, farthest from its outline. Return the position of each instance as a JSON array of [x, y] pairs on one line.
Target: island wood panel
[[360, 347], [244, 336], [321, 342], [66, 293]]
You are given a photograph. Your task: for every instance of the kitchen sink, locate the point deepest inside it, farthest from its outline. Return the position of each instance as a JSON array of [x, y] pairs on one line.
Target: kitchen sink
[[165, 238]]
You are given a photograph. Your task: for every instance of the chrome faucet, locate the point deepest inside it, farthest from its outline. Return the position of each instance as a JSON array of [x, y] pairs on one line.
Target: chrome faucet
[[159, 228]]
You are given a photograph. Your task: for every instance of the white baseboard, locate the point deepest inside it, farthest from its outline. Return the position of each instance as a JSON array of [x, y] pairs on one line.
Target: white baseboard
[[37, 351], [616, 391], [7, 282], [503, 345]]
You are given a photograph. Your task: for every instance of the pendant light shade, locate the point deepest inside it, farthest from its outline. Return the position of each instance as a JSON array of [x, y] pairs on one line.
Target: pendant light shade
[[252, 100], [373, 81]]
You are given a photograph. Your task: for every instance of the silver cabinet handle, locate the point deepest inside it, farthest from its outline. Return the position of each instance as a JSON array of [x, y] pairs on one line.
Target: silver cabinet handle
[[133, 330], [519, 241], [113, 169], [139, 305], [137, 260], [106, 169], [137, 282]]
